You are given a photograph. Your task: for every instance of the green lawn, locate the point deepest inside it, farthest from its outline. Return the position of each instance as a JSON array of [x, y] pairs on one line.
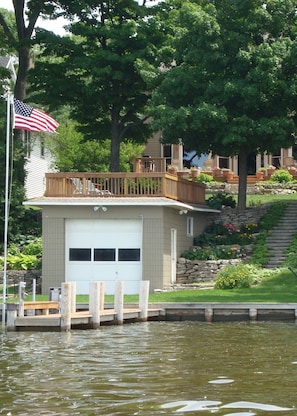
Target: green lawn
[[280, 288], [254, 200]]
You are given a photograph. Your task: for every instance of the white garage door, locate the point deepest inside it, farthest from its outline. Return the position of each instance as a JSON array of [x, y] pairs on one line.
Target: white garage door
[[104, 250]]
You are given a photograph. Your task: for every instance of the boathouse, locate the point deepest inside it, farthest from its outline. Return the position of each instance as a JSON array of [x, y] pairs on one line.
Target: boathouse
[[118, 226]]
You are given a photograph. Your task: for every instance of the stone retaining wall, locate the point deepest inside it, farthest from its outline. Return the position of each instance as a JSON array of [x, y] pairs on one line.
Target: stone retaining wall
[[250, 215], [198, 271], [14, 277]]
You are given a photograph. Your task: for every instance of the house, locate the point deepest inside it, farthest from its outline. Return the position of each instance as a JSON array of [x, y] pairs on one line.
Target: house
[[118, 226]]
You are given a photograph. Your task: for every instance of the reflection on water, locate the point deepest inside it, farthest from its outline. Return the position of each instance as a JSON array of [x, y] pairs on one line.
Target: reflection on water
[[154, 368]]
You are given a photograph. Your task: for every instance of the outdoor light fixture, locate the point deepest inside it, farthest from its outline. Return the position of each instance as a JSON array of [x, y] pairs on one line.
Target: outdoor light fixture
[[104, 209], [183, 211]]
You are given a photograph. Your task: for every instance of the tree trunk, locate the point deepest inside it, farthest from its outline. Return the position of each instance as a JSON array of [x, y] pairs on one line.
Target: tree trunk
[[24, 66], [115, 141], [242, 172]]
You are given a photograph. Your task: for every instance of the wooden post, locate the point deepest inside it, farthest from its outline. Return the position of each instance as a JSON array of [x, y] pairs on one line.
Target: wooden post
[[12, 312], [73, 297], [119, 302], [94, 303], [66, 307], [143, 299], [22, 286], [208, 314], [102, 290]]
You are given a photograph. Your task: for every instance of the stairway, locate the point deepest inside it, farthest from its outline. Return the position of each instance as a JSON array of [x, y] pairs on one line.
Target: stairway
[[281, 236]]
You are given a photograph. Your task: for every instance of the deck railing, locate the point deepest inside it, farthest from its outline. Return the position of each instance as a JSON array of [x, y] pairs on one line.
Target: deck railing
[[121, 184]]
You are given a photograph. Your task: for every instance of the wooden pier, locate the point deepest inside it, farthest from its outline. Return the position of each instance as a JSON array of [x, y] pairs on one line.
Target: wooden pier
[[64, 315]]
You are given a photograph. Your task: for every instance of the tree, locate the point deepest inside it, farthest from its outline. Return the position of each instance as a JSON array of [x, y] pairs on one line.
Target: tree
[[230, 88], [98, 70], [74, 154]]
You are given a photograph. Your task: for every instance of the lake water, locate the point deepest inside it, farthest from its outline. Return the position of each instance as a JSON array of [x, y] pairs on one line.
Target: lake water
[[155, 368]]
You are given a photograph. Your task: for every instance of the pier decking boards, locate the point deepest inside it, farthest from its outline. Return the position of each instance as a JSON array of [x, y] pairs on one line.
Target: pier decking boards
[[82, 319]]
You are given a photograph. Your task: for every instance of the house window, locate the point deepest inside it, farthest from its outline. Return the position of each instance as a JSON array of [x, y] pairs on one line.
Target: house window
[[129, 254], [80, 254], [190, 226], [42, 148], [104, 254]]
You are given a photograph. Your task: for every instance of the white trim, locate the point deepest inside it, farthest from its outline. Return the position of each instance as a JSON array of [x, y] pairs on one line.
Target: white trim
[[91, 202]]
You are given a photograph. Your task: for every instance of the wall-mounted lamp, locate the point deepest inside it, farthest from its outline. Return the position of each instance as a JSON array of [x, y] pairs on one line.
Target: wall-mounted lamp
[[183, 211], [104, 209]]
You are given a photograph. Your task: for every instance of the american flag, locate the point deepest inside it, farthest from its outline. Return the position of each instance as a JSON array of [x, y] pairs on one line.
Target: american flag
[[31, 119]]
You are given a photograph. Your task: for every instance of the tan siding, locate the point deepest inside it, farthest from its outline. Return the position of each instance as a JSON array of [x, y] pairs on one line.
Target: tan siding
[[152, 251], [53, 261], [153, 146]]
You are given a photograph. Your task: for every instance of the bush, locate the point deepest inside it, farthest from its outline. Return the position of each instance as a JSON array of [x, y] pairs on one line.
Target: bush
[[226, 234], [238, 276], [34, 248], [24, 258], [221, 199], [225, 253], [204, 178], [281, 176]]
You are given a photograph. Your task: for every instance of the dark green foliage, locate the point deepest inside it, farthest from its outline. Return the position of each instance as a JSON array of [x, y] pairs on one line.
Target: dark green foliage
[[221, 199], [272, 216], [226, 234], [100, 70], [231, 90]]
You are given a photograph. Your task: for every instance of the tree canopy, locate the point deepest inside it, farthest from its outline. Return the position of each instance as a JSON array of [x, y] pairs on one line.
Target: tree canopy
[[97, 70], [231, 86]]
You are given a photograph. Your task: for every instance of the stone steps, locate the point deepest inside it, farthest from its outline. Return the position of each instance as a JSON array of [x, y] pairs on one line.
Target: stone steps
[[281, 236]]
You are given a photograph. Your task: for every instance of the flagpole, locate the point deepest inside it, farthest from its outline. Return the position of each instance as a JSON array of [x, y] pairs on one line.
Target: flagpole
[[6, 210]]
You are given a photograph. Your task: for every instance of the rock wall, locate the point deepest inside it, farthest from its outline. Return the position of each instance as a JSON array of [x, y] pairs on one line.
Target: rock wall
[[198, 271], [14, 277]]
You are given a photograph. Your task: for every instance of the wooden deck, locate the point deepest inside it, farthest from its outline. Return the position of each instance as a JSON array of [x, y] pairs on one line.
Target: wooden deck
[[82, 319], [121, 184]]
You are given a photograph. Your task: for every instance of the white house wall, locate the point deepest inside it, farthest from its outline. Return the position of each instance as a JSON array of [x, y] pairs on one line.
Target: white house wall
[[36, 166]]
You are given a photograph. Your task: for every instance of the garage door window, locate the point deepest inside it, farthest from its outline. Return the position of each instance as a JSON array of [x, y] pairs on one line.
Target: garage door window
[[104, 254], [129, 254], [80, 254]]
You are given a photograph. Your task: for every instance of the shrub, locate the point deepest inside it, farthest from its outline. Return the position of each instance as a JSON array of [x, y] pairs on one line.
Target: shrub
[[221, 199], [281, 176], [238, 276], [21, 262], [204, 178], [24, 258], [212, 253], [33, 248], [226, 234]]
